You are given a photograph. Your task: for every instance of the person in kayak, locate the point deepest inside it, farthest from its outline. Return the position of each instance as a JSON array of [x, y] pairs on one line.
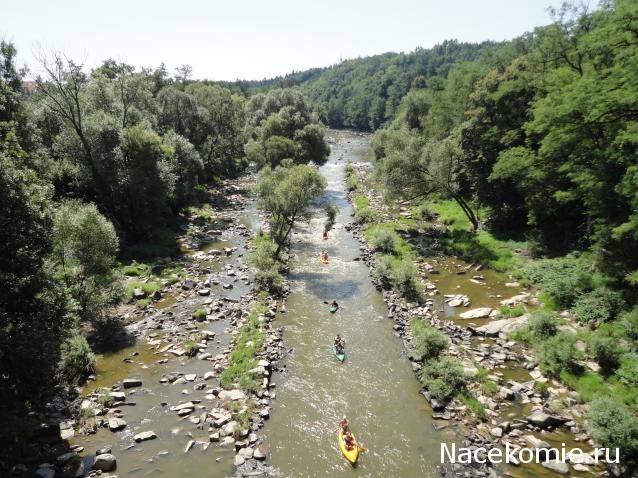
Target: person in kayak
[[348, 440], [334, 304], [325, 234], [323, 256], [340, 344], [344, 425]]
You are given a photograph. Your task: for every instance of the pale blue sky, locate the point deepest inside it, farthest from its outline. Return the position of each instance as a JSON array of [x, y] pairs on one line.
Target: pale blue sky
[[225, 40]]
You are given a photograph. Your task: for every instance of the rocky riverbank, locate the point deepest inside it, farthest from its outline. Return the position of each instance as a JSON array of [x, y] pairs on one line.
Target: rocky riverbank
[[521, 412], [171, 349]]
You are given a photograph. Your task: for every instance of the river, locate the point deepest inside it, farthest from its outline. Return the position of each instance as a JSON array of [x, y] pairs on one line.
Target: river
[[375, 387]]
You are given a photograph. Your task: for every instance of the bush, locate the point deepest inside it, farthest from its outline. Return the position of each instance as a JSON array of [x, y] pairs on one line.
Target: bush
[[349, 169], [629, 323], [613, 425], [262, 258], [473, 405], [77, 359], [444, 378], [191, 347], [383, 240], [427, 341], [383, 270], [605, 351], [510, 312], [352, 183], [563, 279], [364, 215], [627, 373], [543, 325], [199, 314], [405, 280], [598, 306], [558, 354], [331, 213]]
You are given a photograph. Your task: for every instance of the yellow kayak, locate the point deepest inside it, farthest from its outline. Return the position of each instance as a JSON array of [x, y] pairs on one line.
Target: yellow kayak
[[351, 455]]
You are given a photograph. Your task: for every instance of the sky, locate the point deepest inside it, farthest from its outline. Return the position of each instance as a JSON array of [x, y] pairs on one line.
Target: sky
[[253, 39]]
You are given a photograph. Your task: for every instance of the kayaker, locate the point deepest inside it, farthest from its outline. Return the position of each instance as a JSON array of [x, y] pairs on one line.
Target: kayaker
[[334, 304], [325, 235], [348, 439], [344, 424], [340, 344]]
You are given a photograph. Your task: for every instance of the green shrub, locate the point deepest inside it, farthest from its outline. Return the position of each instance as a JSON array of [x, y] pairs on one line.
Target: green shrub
[[563, 279], [558, 354], [383, 270], [199, 314], [541, 387], [77, 359], [405, 280], [349, 169], [629, 322], [352, 183], [598, 306], [605, 351], [384, 240], [523, 335], [627, 372], [331, 214], [148, 287], [613, 425], [444, 378], [136, 269], [427, 341], [262, 258], [191, 347], [543, 324], [475, 407], [510, 312], [364, 215]]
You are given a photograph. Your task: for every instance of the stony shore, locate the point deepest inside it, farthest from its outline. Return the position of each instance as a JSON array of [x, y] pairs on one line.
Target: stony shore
[[208, 409], [487, 345]]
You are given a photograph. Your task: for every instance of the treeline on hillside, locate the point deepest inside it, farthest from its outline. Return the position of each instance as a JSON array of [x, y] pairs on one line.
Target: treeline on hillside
[[545, 148], [97, 165], [365, 93]]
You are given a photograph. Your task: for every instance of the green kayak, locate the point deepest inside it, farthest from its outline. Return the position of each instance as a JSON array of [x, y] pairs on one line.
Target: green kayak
[[333, 309], [340, 356]]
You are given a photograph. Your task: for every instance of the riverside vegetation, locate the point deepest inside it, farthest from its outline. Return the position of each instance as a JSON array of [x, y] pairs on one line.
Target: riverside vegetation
[[520, 155]]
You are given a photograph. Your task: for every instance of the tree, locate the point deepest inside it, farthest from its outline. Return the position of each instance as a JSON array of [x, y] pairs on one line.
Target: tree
[[285, 193], [412, 169], [281, 125], [35, 314], [84, 249]]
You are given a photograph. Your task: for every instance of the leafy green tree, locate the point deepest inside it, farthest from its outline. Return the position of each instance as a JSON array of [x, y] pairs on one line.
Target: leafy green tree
[[35, 313], [84, 249], [281, 125], [285, 193]]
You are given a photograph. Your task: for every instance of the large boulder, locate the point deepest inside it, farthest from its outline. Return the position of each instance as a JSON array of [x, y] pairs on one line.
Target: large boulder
[[131, 382], [143, 436], [105, 462], [502, 326], [543, 420], [479, 313], [116, 424]]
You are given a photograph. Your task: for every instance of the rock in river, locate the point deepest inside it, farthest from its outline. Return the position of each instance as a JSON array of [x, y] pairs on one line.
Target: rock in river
[[104, 462], [479, 313], [131, 382], [143, 436]]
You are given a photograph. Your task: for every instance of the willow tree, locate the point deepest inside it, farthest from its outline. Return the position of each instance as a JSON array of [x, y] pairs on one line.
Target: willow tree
[[412, 168], [286, 193]]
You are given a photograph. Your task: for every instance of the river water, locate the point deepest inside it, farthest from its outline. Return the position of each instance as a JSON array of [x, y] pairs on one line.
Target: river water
[[375, 387]]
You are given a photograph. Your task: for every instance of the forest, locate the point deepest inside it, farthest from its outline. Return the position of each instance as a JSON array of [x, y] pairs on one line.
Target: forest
[[526, 149]]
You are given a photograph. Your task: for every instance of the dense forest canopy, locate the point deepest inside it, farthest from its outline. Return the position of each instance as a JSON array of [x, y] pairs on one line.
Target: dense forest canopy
[[546, 142]]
